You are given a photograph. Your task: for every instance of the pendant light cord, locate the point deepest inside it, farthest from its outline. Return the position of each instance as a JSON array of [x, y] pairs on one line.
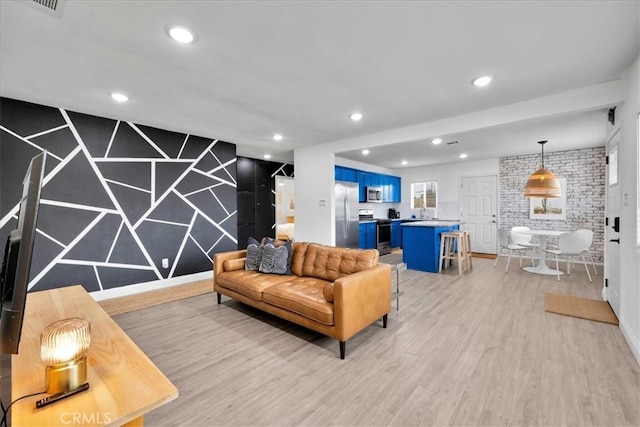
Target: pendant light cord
[[542, 143]]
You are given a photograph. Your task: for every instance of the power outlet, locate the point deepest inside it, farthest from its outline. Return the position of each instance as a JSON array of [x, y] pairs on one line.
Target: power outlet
[[165, 262]]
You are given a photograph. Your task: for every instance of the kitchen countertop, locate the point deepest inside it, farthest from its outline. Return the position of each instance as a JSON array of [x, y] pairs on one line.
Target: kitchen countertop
[[431, 223]]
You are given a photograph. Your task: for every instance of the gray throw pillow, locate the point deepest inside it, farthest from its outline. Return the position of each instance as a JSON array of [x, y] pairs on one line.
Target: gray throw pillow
[[254, 257], [274, 260]]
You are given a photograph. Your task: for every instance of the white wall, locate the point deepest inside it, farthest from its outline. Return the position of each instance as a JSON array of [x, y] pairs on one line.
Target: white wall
[[448, 178], [627, 120], [314, 190], [362, 166]]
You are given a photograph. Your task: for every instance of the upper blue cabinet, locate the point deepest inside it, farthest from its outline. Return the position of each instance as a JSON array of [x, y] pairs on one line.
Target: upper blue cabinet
[[391, 185]]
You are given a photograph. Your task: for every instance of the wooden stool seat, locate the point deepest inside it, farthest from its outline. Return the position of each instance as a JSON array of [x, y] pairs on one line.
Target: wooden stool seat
[[455, 245]]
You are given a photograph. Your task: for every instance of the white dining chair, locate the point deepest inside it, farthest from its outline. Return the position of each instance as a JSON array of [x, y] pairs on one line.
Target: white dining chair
[[523, 239], [570, 245], [588, 241], [505, 243]]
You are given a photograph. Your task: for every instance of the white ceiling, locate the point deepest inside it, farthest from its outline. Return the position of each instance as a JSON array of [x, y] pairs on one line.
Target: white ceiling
[[300, 68]]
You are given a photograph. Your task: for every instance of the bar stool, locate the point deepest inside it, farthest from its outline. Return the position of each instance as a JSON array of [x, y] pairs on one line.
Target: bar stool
[[467, 250], [452, 247]]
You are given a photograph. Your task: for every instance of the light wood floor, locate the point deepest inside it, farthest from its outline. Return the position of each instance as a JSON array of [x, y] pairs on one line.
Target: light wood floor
[[476, 349]]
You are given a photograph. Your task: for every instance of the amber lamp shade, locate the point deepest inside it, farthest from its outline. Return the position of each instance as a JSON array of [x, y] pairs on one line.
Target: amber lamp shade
[[543, 183], [63, 347]]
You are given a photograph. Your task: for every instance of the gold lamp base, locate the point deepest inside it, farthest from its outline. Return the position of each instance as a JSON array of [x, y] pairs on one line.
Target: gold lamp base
[[65, 376]]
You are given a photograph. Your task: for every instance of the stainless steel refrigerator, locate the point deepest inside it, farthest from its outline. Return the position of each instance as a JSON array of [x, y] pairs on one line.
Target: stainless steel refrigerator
[[346, 214]]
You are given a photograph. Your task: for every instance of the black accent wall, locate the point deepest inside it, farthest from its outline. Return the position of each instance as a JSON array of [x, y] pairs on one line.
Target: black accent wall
[[118, 197], [256, 197]]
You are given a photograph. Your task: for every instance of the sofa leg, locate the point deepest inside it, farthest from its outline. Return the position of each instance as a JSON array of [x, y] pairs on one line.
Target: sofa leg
[[219, 295], [343, 349], [384, 320]]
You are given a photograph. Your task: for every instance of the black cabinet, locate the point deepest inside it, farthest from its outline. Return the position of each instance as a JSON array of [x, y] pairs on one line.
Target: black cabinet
[[246, 174], [256, 199]]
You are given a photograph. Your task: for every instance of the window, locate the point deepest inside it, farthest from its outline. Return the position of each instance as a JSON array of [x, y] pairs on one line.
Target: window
[[424, 195], [613, 166]]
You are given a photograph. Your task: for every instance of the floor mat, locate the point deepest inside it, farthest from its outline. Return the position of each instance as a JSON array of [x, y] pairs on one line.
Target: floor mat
[[584, 308]]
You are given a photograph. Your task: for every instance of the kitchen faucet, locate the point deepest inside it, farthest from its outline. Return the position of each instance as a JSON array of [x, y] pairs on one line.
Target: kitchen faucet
[[422, 213]]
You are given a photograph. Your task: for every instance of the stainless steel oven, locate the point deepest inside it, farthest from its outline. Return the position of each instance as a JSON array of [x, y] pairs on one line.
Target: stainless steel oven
[[383, 243]]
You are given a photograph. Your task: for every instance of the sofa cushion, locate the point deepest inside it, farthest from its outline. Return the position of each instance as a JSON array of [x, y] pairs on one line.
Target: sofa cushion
[[331, 263], [299, 250], [303, 296], [255, 250], [234, 264], [254, 257], [327, 292], [249, 283], [276, 260]]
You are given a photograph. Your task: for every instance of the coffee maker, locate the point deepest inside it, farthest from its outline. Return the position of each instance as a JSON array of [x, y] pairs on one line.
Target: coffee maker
[[393, 214]]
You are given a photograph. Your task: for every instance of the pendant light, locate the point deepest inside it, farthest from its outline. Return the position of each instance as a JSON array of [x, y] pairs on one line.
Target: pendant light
[[543, 183]]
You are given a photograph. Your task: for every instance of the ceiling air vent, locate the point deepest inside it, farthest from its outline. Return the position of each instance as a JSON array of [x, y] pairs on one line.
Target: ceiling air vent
[[452, 142], [51, 7]]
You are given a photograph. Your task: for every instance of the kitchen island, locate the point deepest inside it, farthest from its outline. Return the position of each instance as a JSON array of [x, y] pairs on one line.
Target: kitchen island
[[421, 243]]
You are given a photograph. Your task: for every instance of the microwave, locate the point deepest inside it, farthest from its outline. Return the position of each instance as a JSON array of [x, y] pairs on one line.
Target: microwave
[[374, 194]]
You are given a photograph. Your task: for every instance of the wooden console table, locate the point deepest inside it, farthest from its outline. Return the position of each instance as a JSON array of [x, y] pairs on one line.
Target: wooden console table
[[124, 383]]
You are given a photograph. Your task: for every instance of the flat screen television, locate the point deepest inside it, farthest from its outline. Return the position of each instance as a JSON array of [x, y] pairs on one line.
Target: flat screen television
[[14, 277]]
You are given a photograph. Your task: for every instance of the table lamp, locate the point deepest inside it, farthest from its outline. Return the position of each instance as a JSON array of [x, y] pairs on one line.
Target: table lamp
[[63, 345]]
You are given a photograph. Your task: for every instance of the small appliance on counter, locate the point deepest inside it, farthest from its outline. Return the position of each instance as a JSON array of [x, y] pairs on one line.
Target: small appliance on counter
[[393, 213]]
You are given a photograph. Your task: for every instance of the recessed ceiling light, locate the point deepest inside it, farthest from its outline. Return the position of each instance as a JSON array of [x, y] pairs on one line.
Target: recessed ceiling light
[[119, 97], [277, 137], [267, 156], [356, 117], [365, 151], [436, 141], [463, 155], [181, 34], [404, 163], [482, 81], [281, 184]]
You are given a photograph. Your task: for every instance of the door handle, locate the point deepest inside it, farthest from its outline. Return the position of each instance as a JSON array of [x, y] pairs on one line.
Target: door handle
[[616, 224], [615, 240]]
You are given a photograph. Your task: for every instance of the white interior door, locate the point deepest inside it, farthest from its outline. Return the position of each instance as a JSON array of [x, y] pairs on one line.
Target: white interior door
[[612, 235], [479, 207]]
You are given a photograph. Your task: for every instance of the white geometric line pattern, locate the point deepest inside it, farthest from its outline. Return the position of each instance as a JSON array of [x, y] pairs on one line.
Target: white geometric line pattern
[[118, 215], [108, 190]]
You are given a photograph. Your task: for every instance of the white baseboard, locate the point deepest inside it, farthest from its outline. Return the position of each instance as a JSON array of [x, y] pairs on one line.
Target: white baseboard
[[150, 286], [634, 343]]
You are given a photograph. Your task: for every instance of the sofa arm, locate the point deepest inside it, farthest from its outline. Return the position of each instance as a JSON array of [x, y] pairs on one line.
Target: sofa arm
[[220, 258], [360, 299]]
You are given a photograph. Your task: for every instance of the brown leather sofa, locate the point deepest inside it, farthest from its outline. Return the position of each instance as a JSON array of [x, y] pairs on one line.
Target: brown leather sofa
[[334, 291]]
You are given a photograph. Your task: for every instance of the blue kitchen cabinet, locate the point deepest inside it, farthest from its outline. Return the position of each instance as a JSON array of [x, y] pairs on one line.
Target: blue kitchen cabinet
[[367, 235], [345, 174], [385, 184], [390, 185], [349, 175], [396, 189], [362, 191], [362, 236], [371, 235], [421, 244], [396, 234]]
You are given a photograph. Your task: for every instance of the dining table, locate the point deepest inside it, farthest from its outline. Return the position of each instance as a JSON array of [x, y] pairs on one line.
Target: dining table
[[542, 267]]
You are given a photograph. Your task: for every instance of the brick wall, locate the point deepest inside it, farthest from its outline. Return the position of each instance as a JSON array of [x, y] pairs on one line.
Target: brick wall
[[585, 172]]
